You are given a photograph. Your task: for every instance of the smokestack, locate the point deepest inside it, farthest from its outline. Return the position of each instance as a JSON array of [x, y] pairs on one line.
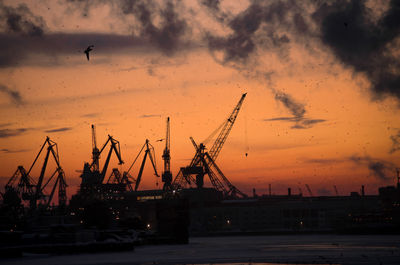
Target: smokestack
[[289, 191], [254, 192], [362, 190], [269, 189], [398, 178]]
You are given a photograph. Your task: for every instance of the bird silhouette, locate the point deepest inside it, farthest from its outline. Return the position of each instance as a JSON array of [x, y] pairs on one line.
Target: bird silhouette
[[88, 49]]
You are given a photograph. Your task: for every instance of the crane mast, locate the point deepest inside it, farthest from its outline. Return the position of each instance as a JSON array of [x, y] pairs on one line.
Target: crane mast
[[95, 150], [167, 175]]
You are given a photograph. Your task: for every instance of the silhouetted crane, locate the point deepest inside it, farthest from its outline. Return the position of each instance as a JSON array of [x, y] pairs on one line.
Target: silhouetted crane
[[336, 191], [149, 151], [167, 175], [185, 175], [217, 178], [34, 192], [92, 177], [309, 190]]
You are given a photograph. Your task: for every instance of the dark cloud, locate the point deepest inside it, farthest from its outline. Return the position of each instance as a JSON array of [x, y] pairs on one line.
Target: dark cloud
[[213, 7], [14, 51], [5, 133], [240, 44], [168, 34], [395, 143], [367, 46], [358, 38], [297, 110], [20, 20], [158, 23], [63, 129], [149, 115], [15, 96], [48, 49], [262, 25], [160, 29], [380, 169]]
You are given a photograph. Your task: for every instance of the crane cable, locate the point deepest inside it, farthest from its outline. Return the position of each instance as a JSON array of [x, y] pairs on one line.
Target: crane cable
[[246, 140], [211, 136]]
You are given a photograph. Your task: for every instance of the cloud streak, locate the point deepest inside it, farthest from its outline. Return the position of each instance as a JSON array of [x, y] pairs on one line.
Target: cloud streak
[[14, 96], [149, 116], [297, 110], [378, 168], [6, 133], [63, 129]]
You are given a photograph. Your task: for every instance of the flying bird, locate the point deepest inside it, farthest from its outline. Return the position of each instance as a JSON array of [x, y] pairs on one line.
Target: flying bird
[[160, 140], [88, 49]]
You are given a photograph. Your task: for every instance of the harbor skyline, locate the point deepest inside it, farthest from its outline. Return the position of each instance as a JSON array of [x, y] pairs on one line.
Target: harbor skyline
[[318, 111]]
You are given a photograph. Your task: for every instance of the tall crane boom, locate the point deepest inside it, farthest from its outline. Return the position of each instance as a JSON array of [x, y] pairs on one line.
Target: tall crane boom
[[117, 150], [223, 135], [309, 190]]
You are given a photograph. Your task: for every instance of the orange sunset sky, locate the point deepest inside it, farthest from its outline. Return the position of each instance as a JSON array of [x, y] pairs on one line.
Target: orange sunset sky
[[322, 82]]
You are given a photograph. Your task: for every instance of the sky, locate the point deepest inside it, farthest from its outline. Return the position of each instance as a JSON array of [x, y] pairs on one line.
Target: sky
[[322, 80]]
